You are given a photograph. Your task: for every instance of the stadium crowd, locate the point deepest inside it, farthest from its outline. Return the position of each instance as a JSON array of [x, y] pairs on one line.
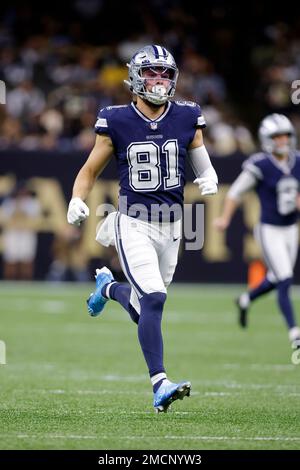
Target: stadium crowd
[[59, 67]]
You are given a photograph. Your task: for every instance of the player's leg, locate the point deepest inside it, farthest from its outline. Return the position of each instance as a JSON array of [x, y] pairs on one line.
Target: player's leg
[[139, 260], [275, 244], [147, 294], [168, 261], [124, 295], [167, 249], [292, 241], [106, 286], [139, 253], [246, 298], [10, 271], [11, 242]]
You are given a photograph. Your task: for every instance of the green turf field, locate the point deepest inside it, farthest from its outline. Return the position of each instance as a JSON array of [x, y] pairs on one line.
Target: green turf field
[[76, 382]]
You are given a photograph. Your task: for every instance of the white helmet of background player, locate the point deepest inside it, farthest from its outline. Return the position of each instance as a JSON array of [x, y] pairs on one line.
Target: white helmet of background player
[[273, 125], [152, 57]]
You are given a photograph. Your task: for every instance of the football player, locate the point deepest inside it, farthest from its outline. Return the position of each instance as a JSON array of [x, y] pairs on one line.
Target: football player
[[151, 139], [274, 173]]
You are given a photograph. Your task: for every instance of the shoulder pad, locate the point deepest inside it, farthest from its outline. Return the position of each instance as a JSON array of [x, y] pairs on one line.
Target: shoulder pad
[[116, 106], [256, 157]]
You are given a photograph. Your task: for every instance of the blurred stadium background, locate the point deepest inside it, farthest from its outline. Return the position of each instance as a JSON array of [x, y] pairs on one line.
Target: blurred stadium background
[[59, 67]]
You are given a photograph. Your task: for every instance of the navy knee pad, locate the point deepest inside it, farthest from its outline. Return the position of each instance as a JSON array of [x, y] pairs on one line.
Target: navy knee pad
[[153, 302]]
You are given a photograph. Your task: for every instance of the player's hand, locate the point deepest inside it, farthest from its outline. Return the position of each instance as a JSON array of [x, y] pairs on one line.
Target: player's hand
[[221, 224], [207, 186], [77, 211]]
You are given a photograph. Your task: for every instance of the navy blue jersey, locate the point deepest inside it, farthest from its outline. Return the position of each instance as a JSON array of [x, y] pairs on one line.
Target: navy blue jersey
[[277, 187], [151, 154]]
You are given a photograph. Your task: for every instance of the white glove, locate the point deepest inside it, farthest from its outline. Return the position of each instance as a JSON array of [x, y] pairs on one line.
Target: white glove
[[77, 211], [206, 185]]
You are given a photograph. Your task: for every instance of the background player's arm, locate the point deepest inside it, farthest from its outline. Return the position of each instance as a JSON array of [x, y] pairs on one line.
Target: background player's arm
[[206, 177], [298, 202], [95, 164], [244, 182]]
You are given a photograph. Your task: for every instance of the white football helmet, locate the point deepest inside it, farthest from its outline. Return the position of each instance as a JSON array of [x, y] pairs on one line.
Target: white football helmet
[[152, 57], [273, 125]]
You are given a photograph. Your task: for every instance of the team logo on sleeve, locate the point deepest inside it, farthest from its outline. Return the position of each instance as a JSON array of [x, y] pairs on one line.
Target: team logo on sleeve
[[101, 122], [201, 121], [186, 103]]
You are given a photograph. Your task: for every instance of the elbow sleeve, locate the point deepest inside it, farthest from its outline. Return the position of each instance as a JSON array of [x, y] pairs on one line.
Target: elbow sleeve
[[201, 164]]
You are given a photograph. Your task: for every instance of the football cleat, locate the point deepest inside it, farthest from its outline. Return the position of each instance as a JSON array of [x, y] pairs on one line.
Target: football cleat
[[97, 301], [296, 343], [242, 313], [169, 392], [294, 337]]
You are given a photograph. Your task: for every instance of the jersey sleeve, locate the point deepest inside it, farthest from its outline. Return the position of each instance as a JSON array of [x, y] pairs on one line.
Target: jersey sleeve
[[199, 118], [252, 165], [192, 113], [244, 182], [102, 123]]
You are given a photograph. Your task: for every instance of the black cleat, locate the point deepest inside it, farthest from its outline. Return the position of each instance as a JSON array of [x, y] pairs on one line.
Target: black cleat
[[242, 314]]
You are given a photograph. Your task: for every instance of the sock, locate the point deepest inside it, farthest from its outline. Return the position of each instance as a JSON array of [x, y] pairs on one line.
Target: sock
[[157, 380], [264, 287], [294, 333], [121, 293], [285, 302], [149, 331], [106, 289], [244, 300]]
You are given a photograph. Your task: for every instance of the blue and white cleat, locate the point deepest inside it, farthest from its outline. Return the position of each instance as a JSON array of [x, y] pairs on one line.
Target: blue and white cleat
[[96, 302], [169, 392]]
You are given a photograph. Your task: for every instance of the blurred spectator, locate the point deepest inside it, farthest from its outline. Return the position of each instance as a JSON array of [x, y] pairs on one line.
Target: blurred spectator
[[199, 81], [11, 133], [69, 258], [56, 70], [19, 213], [276, 61], [25, 100], [226, 134], [52, 121]]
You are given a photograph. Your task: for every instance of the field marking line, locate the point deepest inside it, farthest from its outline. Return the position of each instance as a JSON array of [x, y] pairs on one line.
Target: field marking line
[[166, 437]]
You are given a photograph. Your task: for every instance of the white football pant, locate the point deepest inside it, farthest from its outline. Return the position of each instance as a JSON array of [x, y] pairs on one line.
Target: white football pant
[[148, 254], [279, 245]]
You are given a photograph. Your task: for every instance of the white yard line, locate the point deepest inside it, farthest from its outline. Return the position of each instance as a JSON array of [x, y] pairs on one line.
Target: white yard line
[[234, 438], [167, 437]]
